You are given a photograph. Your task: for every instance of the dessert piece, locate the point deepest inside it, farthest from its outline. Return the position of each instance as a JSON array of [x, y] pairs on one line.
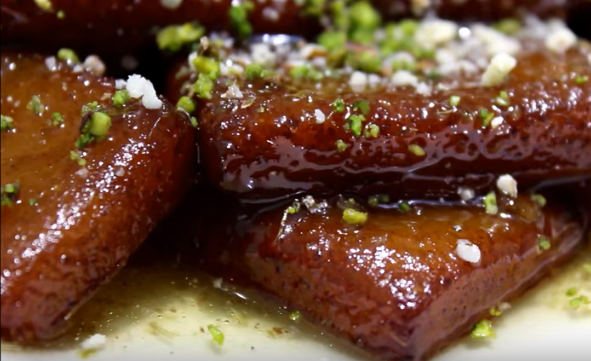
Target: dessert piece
[[421, 110], [87, 172], [400, 283], [121, 22]]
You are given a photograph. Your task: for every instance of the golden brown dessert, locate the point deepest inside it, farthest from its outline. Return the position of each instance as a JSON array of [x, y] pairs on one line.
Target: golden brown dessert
[[417, 115], [83, 184], [401, 284]]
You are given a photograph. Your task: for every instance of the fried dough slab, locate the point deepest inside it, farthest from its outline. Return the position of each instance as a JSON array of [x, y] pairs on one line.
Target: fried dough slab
[[411, 126], [399, 285], [70, 226]]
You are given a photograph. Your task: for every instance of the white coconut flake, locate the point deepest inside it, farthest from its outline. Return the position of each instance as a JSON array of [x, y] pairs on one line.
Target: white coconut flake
[[468, 251], [140, 87], [358, 81], [82, 172], [233, 92], [262, 54], [498, 69], [432, 33], [466, 193], [120, 83], [560, 38], [94, 64], [171, 4], [51, 63], [94, 342], [508, 185], [404, 78], [496, 121], [320, 117]]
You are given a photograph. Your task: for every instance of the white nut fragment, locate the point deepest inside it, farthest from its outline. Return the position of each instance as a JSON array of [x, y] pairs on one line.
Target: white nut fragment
[[496, 121], [508, 185], [468, 251], [140, 87], [358, 81], [466, 193], [498, 69], [51, 63], [320, 117], [233, 92], [94, 342], [432, 33], [94, 64], [560, 38], [404, 78]]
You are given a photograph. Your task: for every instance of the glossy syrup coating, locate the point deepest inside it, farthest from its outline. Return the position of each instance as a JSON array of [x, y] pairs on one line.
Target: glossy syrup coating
[[271, 142], [474, 9], [396, 285], [71, 227], [132, 22]]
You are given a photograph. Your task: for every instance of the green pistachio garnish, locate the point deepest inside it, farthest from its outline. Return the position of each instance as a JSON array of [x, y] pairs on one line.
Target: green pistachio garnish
[[354, 217], [61, 15], [338, 105], [194, 122], [495, 312], [355, 122], [579, 301], [306, 72], [295, 316], [203, 86], [314, 8], [57, 119], [32, 201], [120, 97], [253, 71], [503, 99], [539, 199], [294, 208], [581, 79], [239, 18], [341, 146], [366, 61], [35, 105], [216, 334], [100, 123], [543, 243], [187, 104], [486, 116], [490, 203], [362, 106], [90, 107], [44, 5], [378, 199], [332, 40], [364, 20], [7, 123], [403, 207], [508, 26], [75, 156], [339, 12], [68, 55], [371, 131], [454, 100], [416, 150], [174, 37], [9, 192], [572, 292], [483, 329], [207, 66]]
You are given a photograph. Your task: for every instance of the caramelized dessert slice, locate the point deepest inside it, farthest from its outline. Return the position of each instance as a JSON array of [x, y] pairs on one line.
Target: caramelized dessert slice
[[87, 172], [427, 109], [74, 22], [400, 283]]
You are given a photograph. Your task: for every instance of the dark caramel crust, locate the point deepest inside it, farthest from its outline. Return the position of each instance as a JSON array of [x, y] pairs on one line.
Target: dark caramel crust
[[282, 150], [83, 224], [128, 21], [395, 285]]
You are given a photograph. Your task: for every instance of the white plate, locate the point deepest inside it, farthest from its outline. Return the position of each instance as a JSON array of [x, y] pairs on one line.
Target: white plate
[[159, 313]]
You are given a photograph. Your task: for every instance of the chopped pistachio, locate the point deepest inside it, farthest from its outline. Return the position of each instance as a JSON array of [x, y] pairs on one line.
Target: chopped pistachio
[[294, 208], [486, 116], [120, 97], [100, 123], [490, 203], [75, 156], [207, 66], [362, 106], [543, 243], [355, 217], [68, 55], [83, 140], [216, 334], [539, 199], [314, 7], [45, 5], [339, 12], [89, 107], [508, 26], [408, 27], [572, 292], [174, 37], [203, 86], [454, 100], [403, 207], [503, 99], [416, 150], [495, 312], [579, 301], [373, 201], [32, 201], [364, 19], [306, 72], [366, 61], [483, 329], [61, 15], [378, 199], [371, 131], [57, 119], [194, 122], [238, 14], [187, 104], [338, 105], [261, 109], [35, 105], [355, 122], [7, 123], [332, 40], [581, 79], [253, 71], [341, 146], [9, 192], [295, 316]]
